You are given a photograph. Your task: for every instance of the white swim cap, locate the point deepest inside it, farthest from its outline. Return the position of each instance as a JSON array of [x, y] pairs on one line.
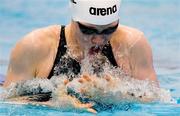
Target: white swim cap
[[97, 12]]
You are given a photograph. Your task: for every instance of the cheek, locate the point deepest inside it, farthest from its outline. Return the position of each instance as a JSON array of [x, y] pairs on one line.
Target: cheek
[[86, 39]]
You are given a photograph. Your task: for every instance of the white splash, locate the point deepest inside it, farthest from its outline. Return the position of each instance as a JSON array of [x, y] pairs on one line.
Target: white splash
[[31, 87], [117, 89]]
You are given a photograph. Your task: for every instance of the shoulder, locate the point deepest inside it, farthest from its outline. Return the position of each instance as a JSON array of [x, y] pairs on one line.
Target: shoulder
[[139, 47], [37, 43], [42, 36], [135, 39], [132, 42], [130, 34], [126, 37]]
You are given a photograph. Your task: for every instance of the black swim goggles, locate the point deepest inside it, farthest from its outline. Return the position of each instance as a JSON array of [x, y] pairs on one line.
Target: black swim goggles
[[90, 30]]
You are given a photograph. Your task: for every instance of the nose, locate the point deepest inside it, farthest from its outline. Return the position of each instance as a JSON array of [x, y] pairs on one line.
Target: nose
[[98, 39]]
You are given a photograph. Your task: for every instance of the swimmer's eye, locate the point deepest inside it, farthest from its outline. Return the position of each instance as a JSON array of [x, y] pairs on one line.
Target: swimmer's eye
[[90, 30]]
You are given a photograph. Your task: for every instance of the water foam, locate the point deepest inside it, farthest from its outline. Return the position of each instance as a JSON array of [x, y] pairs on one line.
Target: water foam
[[119, 88], [29, 87]]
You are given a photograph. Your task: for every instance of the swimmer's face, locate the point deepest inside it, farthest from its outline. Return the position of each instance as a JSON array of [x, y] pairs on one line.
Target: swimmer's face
[[97, 35]]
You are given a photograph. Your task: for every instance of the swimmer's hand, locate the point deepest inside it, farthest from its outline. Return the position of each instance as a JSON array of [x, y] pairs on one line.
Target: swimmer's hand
[[110, 90], [100, 84], [97, 89], [82, 106], [71, 101]]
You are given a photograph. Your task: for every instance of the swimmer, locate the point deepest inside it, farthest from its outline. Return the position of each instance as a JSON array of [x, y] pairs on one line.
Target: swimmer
[[95, 28]]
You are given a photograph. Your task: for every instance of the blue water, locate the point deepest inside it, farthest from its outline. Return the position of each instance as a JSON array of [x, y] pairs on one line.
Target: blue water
[[158, 19]]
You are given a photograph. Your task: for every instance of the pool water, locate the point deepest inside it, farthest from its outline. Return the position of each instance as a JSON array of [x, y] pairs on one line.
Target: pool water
[[158, 19]]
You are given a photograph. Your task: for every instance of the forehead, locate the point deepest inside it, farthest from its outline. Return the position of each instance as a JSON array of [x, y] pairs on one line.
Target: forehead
[[100, 26]]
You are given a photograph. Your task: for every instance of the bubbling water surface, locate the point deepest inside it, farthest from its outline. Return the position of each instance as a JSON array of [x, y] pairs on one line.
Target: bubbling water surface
[[118, 88]]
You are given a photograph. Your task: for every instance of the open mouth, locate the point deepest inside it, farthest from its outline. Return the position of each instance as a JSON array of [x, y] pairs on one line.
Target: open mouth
[[94, 50]]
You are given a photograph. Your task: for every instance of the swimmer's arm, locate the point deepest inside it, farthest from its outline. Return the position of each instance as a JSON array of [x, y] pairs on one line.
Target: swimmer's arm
[[21, 65], [142, 61], [31, 54], [26, 56]]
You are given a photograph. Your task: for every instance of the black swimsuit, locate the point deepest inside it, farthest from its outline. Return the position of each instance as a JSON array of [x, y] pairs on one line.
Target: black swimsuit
[[64, 65], [67, 65]]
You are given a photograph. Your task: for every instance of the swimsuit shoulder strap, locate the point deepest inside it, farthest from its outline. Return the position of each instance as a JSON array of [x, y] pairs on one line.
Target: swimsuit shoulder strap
[[61, 50], [107, 51]]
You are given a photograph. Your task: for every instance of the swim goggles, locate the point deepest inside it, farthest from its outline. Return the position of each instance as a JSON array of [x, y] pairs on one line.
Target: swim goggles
[[90, 30]]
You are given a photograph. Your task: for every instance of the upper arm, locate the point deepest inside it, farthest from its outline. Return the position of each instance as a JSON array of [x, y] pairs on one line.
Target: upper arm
[[142, 61], [21, 63], [24, 59], [30, 52]]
